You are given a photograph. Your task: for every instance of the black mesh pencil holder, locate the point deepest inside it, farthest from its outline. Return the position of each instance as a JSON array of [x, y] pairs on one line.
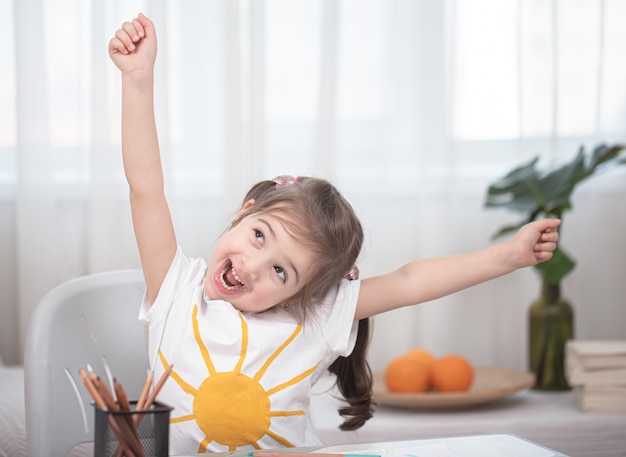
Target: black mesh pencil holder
[[143, 433]]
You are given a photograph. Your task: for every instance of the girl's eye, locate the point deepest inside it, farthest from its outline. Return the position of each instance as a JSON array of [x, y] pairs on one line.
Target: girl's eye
[[259, 236], [281, 273]]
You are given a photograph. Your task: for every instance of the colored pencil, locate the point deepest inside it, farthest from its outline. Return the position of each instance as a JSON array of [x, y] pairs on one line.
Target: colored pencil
[[124, 405], [158, 387], [144, 392]]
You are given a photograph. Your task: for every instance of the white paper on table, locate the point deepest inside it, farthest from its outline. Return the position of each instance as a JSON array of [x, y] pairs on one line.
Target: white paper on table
[[495, 445], [425, 450]]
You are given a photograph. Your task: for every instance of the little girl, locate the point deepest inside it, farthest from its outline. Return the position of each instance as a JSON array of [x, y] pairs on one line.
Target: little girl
[[252, 329]]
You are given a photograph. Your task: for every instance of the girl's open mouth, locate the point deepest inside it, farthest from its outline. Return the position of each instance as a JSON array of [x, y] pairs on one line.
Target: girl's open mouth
[[229, 278]]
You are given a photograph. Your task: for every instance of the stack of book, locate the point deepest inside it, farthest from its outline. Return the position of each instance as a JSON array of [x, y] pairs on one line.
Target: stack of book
[[596, 370]]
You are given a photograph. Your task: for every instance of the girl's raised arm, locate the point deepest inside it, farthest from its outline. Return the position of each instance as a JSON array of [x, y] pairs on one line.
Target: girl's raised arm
[[133, 49], [424, 280]]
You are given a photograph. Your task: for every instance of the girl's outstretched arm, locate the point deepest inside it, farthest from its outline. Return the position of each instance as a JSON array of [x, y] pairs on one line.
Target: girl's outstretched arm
[[424, 280], [133, 49]]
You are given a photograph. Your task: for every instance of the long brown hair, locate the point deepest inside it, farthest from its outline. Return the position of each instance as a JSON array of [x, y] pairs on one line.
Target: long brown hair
[[354, 380], [319, 216]]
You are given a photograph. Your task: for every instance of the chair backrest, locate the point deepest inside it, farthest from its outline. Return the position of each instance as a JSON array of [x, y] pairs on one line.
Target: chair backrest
[[91, 320]]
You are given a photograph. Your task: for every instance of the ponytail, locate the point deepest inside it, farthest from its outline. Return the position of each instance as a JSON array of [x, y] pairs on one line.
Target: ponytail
[[354, 380]]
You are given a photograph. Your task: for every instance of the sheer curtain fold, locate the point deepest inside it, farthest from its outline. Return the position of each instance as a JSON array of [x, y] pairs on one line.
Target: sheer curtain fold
[[36, 200], [254, 162], [327, 99], [235, 81], [411, 107], [99, 238]]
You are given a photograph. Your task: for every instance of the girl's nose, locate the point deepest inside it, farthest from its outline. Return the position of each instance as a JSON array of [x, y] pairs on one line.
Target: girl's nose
[[252, 267], [258, 263]]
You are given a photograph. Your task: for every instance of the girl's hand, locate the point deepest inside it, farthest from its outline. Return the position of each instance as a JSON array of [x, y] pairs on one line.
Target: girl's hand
[[535, 242], [134, 45]]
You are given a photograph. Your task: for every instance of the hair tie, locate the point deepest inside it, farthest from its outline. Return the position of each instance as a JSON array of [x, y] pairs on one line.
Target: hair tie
[[285, 180], [353, 273]]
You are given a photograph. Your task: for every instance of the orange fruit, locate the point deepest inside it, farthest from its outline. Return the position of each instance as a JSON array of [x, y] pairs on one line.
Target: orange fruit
[[422, 354], [407, 374], [452, 373]]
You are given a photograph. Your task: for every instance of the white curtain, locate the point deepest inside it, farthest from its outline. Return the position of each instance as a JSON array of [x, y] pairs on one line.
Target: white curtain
[[411, 107]]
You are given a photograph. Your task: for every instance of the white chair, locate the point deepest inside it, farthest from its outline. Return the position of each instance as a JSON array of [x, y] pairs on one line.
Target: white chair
[[91, 320]]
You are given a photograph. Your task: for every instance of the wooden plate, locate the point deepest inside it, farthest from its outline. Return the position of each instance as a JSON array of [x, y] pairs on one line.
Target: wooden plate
[[489, 384]]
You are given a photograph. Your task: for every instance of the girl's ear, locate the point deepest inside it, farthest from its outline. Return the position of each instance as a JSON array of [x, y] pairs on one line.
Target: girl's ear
[[245, 208]]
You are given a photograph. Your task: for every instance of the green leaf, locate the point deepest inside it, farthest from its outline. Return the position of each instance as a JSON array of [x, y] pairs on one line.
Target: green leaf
[[602, 154], [512, 191], [506, 230], [557, 186], [555, 269], [525, 189]]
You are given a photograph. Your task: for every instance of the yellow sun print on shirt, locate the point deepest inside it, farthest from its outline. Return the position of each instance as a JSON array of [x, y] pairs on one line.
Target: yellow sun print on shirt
[[230, 407]]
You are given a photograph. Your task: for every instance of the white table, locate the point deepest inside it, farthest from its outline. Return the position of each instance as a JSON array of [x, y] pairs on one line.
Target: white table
[[550, 419]]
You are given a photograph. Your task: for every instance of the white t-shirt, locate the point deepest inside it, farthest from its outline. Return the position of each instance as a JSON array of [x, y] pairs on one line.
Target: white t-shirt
[[241, 381]]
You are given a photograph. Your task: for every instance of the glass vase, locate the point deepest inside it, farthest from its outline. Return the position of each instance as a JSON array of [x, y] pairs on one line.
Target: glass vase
[[551, 324]]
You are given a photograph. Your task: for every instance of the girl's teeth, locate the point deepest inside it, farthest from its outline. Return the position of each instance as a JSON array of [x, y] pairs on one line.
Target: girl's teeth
[[236, 276], [233, 282]]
